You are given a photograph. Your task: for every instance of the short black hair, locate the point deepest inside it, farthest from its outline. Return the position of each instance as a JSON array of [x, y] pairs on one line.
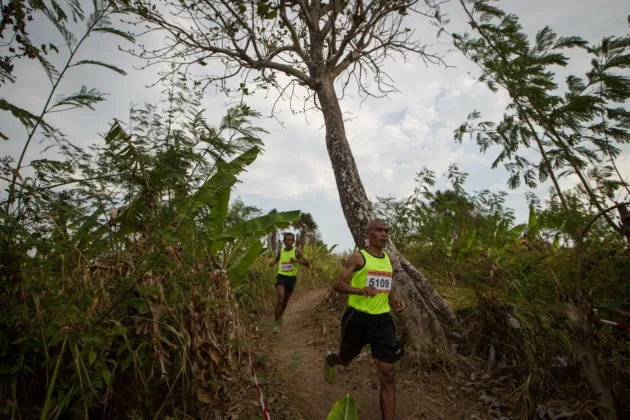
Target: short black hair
[[285, 234]]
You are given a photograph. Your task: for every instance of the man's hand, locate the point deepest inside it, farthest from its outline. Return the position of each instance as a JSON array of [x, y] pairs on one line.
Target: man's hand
[[294, 261], [399, 305], [369, 291], [272, 263]]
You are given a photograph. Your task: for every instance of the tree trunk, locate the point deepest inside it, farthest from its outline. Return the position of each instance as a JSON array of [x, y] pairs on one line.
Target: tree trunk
[[580, 332], [428, 318], [624, 215], [581, 336]]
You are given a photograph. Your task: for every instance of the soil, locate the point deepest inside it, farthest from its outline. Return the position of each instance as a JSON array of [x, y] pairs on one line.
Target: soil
[[295, 387]]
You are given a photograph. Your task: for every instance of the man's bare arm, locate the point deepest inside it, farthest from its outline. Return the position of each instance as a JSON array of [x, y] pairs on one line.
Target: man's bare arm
[[275, 260], [300, 258], [342, 284]]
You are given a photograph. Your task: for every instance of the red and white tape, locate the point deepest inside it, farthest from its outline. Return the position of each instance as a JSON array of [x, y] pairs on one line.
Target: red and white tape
[[616, 324], [249, 355], [260, 393]]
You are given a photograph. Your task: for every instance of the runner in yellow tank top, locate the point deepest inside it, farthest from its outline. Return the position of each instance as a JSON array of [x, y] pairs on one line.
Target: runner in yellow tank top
[[288, 260], [367, 278]]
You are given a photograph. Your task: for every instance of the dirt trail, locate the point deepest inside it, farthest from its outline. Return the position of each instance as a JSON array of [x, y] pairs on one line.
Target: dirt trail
[[296, 388]]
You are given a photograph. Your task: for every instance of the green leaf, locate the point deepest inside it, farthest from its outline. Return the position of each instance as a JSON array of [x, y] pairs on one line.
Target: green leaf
[[514, 233], [263, 225], [262, 8], [26, 118], [570, 42], [107, 376], [100, 63], [218, 213], [84, 230], [213, 191], [92, 357], [532, 223], [49, 68], [238, 270], [344, 409], [85, 98], [117, 32], [468, 238]]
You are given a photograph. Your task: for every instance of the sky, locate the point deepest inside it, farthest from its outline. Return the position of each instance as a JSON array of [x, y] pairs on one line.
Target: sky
[[391, 138]]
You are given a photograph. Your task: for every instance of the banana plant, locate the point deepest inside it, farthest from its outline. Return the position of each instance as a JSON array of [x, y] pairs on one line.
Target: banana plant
[[196, 219], [246, 239], [344, 409], [533, 224]]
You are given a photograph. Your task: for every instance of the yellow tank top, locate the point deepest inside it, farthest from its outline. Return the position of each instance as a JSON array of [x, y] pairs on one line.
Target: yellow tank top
[[376, 272], [285, 266]]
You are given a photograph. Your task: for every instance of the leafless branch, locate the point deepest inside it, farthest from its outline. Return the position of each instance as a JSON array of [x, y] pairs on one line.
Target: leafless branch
[[306, 40]]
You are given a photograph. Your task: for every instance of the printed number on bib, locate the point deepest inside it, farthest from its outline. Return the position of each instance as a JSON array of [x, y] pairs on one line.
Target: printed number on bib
[[286, 266], [380, 280]]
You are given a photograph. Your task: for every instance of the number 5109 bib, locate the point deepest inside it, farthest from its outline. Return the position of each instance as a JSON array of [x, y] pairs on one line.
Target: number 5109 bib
[[381, 280]]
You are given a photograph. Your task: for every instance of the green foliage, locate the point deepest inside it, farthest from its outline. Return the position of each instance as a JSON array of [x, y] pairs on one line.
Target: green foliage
[[114, 266], [508, 282], [35, 122], [572, 132], [262, 225], [453, 221], [344, 409], [16, 17], [548, 133]]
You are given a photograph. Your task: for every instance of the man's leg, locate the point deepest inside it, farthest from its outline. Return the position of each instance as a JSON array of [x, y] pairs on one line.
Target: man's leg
[[287, 296], [388, 390], [386, 350], [279, 303], [352, 340]]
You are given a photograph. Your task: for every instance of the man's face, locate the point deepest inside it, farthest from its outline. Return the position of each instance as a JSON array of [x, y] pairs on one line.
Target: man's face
[[289, 240], [378, 235]]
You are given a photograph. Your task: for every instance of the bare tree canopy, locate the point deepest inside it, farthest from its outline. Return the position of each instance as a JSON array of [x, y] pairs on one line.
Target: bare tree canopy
[[312, 42]]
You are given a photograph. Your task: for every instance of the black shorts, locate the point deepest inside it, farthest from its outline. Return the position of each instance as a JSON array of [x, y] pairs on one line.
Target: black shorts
[[360, 328], [288, 282]]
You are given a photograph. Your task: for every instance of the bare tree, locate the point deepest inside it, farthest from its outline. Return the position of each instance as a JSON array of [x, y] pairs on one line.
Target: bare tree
[[322, 49]]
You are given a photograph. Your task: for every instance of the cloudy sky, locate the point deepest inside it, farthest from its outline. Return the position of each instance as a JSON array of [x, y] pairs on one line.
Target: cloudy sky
[[392, 139]]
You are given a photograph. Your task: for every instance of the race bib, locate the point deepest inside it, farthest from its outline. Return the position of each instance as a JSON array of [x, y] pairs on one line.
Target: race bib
[[380, 280], [286, 266]]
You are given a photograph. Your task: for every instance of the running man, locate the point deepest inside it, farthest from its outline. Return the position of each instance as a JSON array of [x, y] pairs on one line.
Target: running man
[[288, 260], [367, 279]]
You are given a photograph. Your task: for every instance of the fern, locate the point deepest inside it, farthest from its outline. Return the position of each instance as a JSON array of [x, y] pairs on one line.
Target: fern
[[85, 98], [125, 35], [26, 118]]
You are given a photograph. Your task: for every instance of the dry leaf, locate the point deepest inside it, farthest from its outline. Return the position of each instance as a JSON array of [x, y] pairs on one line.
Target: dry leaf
[[204, 397], [216, 356]]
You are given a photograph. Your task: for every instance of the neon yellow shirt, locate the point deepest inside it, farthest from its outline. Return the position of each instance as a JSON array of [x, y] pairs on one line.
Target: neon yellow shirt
[[285, 266], [376, 272]]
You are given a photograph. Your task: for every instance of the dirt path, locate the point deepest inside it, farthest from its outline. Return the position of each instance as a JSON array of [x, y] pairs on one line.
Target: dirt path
[[296, 388]]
